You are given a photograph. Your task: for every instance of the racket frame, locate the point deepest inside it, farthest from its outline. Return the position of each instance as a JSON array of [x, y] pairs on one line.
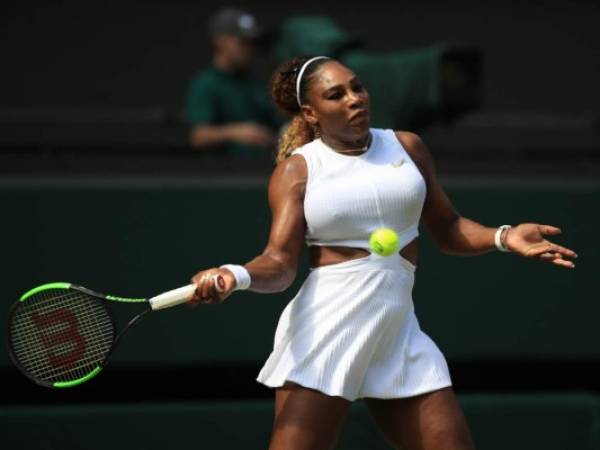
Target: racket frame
[[117, 335]]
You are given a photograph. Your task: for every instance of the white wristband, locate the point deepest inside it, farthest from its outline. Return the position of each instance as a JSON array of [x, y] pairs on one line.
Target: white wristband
[[241, 275], [499, 245]]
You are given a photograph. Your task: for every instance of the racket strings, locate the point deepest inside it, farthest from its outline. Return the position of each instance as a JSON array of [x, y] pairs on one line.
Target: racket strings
[[91, 347], [23, 318], [39, 362], [27, 325], [46, 362], [59, 335], [41, 310], [35, 361]]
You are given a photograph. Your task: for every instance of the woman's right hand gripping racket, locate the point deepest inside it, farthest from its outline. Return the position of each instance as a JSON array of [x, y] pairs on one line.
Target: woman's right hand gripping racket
[[61, 335]]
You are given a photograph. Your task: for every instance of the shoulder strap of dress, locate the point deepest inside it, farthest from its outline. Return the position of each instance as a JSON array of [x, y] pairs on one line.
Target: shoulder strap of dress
[[392, 144], [308, 152], [405, 154]]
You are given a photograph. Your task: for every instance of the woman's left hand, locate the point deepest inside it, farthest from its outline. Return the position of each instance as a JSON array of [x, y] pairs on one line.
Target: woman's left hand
[[527, 239]]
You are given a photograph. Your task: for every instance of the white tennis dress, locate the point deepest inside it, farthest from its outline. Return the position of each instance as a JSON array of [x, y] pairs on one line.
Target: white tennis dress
[[351, 330]]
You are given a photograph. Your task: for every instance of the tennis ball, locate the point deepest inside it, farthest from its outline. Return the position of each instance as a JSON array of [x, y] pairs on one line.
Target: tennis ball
[[384, 241]]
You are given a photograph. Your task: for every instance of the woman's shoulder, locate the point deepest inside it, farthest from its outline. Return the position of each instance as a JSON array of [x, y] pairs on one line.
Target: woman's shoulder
[[291, 170], [307, 147], [416, 149], [409, 140], [288, 180], [311, 155]]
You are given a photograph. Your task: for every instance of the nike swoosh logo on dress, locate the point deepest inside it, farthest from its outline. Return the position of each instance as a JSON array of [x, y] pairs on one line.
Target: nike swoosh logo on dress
[[397, 163]]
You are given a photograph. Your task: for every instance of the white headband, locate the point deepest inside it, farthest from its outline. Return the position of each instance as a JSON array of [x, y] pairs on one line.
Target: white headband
[[301, 72]]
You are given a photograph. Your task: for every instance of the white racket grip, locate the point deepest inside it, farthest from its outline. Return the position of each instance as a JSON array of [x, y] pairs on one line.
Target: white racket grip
[[178, 296], [172, 298]]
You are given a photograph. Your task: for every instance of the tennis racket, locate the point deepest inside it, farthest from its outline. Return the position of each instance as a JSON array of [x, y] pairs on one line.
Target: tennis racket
[[61, 335]]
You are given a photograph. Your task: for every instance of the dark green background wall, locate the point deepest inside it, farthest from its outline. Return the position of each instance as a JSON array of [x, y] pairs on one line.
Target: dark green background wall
[[139, 237], [539, 56]]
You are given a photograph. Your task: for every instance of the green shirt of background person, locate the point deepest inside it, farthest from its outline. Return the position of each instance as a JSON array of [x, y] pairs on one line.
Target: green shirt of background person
[[227, 107]]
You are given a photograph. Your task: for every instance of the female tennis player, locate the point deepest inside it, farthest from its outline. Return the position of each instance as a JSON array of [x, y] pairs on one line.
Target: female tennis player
[[351, 332]]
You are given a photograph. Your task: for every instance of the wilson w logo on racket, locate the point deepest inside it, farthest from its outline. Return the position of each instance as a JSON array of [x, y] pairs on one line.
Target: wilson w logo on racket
[[59, 328], [61, 335]]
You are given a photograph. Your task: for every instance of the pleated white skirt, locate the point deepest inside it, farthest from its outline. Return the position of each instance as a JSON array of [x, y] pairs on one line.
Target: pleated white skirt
[[351, 331]]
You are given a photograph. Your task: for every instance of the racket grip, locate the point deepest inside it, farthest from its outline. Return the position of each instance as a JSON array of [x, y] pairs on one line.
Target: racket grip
[[178, 296], [172, 298]]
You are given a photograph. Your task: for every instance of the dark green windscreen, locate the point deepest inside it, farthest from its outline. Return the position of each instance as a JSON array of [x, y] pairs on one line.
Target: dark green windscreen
[[138, 238]]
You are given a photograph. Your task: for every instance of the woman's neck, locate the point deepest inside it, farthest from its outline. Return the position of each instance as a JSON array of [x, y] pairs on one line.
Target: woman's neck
[[359, 145]]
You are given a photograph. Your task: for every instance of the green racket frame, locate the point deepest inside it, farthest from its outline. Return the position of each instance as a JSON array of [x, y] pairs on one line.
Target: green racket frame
[[102, 298]]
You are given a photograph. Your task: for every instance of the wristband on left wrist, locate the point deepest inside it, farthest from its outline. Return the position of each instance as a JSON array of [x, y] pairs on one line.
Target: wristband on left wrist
[[500, 238]]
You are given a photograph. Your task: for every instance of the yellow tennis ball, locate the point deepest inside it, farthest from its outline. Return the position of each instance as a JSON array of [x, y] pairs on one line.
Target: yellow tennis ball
[[384, 241]]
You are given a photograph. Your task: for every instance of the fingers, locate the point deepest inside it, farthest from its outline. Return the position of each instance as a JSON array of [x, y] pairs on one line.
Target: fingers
[[549, 229], [209, 286], [208, 292], [557, 259], [219, 283], [559, 249], [551, 248]]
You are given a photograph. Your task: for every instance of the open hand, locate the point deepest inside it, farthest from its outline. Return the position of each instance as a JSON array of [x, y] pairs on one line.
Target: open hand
[[527, 239]]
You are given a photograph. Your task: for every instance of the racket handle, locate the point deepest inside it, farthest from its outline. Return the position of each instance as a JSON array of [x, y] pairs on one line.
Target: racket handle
[[172, 298], [178, 296]]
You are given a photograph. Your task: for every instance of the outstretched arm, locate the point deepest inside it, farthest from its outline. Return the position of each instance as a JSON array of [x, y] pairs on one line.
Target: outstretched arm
[[459, 235], [275, 268]]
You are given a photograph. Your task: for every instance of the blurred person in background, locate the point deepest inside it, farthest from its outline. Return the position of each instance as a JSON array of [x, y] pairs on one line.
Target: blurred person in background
[[227, 107]]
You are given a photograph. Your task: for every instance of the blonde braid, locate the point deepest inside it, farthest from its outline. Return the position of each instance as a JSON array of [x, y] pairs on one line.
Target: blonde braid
[[298, 133]]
